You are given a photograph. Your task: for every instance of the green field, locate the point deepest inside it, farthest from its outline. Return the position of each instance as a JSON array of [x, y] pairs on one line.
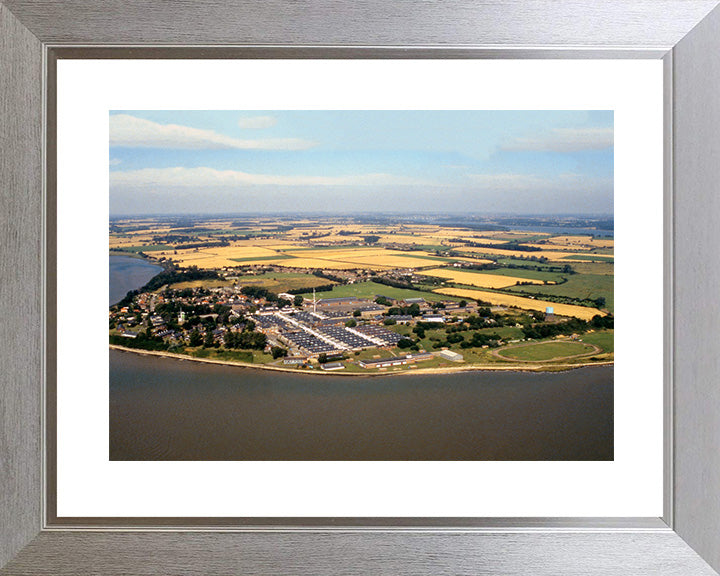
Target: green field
[[522, 273], [249, 356], [604, 339], [518, 262], [545, 351], [605, 268], [590, 258], [284, 281], [371, 290], [274, 281], [432, 247], [583, 286], [505, 332]]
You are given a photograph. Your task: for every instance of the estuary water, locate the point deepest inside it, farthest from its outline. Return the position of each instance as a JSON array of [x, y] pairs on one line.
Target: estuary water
[[129, 273], [169, 409]]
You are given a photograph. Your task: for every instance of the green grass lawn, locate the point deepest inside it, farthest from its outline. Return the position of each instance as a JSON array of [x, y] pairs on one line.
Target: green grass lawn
[[371, 289], [604, 339], [545, 350], [249, 356], [433, 335], [433, 363], [403, 329], [505, 332], [583, 286]]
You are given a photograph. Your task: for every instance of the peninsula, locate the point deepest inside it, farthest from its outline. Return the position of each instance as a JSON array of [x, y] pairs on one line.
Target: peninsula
[[370, 296]]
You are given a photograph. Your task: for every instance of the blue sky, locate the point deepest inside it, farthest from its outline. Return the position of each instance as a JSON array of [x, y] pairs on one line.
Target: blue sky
[[522, 162]]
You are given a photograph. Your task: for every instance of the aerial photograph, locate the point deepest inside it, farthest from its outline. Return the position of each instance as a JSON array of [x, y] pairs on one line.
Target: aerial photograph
[[361, 285]]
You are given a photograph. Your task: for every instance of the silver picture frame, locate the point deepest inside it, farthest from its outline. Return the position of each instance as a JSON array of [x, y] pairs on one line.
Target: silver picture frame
[[685, 34]]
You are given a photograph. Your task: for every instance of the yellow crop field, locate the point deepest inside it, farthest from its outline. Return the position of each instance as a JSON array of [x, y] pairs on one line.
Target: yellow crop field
[[506, 235], [119, 241], [480, 280], [279, 246], [391, 261], [271, 243], [409, 239], [204, 261], [372, 258], [422, 228], [481, 240], [220, 256], [340, 253], [494, 298], [243, 251], [317, 263], [588, 241]]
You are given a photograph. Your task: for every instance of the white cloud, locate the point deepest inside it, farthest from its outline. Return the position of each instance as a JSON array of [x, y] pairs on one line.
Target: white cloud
[[565, 140], [164, 178], [511, 182], [133, 132], [257, 122], [115, 161]]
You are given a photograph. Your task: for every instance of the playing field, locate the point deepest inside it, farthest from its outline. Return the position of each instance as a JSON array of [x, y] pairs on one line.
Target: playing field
[[498, 299], [544, 351]]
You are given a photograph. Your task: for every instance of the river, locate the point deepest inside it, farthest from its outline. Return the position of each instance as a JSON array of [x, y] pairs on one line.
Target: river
[[168, 409], [129, 273]]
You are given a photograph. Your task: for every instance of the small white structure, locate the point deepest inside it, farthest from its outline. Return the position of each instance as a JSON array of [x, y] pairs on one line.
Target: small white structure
[[450, 355], [332, 366]]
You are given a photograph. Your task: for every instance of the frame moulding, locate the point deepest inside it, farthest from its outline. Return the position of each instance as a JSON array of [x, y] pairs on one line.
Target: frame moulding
[[684, 32]]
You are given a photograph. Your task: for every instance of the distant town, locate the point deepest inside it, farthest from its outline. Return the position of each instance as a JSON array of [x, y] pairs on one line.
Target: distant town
[[389, 294]]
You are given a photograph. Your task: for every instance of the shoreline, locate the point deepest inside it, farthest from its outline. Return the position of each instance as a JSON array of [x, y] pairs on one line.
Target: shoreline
[[421, 371]]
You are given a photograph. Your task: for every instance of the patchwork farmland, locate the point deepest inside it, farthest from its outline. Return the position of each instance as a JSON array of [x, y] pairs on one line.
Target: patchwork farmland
[[399, 273]]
